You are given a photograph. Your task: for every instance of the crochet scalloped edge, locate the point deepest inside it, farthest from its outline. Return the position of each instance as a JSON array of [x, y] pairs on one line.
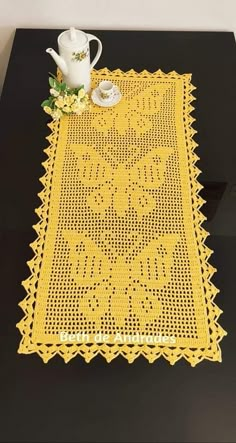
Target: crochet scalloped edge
[[128, 351]]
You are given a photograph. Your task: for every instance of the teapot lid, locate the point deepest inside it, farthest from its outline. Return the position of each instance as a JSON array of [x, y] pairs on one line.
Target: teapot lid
[[72, 38]]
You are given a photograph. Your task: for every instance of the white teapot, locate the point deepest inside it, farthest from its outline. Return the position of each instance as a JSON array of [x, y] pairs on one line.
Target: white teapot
[[74, 58]]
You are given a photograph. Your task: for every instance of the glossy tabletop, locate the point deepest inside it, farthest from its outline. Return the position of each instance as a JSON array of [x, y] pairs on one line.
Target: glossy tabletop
[[117, 402]]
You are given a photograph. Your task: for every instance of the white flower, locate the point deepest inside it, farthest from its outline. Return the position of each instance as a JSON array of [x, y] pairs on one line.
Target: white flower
[[54, 92]]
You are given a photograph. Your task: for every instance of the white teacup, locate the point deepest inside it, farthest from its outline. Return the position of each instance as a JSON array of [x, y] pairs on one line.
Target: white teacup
[[106, 89]]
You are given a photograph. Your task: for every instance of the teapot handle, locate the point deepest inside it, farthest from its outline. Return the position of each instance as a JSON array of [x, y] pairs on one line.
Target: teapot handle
[[99, 51]]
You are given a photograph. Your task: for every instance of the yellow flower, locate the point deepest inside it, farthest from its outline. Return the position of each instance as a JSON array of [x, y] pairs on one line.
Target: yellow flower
[[47, 110], [69, 99], [85, 99], [66, 100], [67, 108], [81, 93], [75, 107], [59, 102], [79, 107], [56, 114]]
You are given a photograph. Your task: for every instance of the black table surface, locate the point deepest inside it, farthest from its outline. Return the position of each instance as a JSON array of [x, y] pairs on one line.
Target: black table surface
[[117, 402]]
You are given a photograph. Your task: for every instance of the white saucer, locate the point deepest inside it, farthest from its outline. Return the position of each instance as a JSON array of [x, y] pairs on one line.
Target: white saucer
[[96, 98]]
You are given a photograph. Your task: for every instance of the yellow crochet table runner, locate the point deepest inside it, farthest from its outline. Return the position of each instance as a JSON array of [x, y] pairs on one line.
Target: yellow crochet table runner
[[120, 265]]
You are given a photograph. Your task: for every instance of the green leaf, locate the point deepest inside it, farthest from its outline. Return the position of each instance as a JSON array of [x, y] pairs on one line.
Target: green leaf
[[45, 103], [58, 87], [63, 86], [55, 84], [52, 82], [51, 100]]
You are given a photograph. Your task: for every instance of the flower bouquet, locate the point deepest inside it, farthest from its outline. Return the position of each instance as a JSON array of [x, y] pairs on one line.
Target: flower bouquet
[[64, 100]]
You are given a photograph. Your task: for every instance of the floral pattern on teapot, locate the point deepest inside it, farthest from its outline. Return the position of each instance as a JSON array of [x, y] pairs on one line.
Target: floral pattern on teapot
[[80, 56]]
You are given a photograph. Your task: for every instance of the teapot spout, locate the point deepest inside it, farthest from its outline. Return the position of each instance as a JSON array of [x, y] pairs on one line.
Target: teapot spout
[[59, 61]]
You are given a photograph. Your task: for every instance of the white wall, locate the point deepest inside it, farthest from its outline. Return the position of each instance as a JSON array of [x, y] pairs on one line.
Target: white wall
[[112, 14]]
